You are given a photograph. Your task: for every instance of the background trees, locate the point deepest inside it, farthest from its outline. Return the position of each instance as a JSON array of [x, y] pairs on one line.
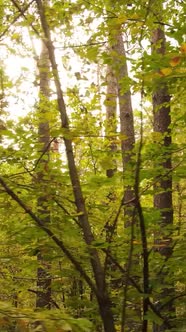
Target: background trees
[[108, 176]]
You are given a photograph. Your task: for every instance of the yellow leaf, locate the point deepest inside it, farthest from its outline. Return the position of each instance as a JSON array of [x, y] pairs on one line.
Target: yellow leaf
[[76, 140], [121, 19], [183, 48], [134, 16], [175, 61], [157, 136], [151, 76], [181, 70], [136, 242], [15, 36], [165, 71]]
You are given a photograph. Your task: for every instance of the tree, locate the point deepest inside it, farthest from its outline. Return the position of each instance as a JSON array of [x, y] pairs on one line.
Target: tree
[[43, 297], [101, 292], [92, 266], [163, 189]]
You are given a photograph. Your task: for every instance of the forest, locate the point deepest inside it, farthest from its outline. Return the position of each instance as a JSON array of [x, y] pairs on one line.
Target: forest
[[92, 166]]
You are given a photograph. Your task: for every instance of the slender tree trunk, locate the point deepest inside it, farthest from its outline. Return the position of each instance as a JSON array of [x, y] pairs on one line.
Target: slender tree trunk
[[163, 191], [126, 118], [111, 129], [43, 297], [127, 145], [111, 124], [98, 271]]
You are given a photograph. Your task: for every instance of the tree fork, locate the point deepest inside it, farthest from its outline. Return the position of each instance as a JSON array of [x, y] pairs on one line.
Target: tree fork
[[98, 270], [79, 200]]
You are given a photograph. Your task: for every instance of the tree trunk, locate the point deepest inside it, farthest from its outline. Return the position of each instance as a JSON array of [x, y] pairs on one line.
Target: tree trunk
[[126, 120], [106, 314], [111, 125], [163, 189], [98, 271], [43, 295], [127, 145]]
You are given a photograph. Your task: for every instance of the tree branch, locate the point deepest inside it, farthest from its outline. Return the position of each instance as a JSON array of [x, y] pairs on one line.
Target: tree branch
[[51, 235], [16, 18], [22, 13]]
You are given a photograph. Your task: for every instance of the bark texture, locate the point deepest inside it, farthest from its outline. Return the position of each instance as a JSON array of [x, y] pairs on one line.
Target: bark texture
[[126, 122], [127, 144], [163, 189], [111, 116], [43, 295]]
